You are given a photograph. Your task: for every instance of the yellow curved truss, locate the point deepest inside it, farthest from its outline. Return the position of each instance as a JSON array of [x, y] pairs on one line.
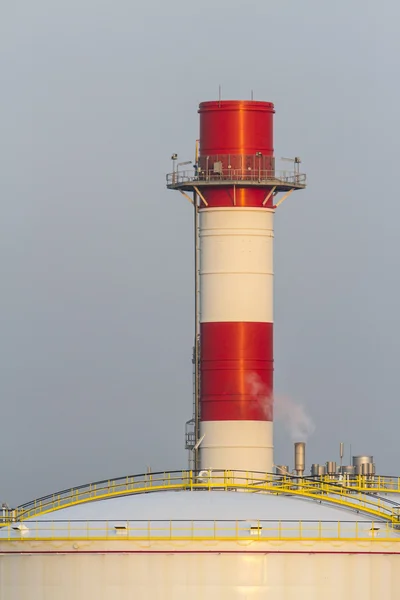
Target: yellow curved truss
[[359, 494]]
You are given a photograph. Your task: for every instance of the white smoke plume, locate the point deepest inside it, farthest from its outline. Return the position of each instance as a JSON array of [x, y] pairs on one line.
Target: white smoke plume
[[294, 416], [260, 393]]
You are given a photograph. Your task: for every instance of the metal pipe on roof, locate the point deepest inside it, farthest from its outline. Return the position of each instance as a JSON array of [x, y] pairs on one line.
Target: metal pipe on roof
[[300, 458]]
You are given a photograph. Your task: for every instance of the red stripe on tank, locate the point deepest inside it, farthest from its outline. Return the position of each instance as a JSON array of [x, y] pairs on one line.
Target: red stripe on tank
[[227, 196], [236, 371]]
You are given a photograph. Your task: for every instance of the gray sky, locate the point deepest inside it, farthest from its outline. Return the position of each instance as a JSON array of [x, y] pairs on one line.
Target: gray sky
[[96, 306]]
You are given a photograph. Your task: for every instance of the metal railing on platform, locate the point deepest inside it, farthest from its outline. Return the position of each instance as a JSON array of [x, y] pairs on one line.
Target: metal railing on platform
[[359, 493], [237, 175], [202, 530]]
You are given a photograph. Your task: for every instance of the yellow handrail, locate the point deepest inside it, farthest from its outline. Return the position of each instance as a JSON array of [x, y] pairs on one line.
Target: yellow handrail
[[200, 531], [360, 494]]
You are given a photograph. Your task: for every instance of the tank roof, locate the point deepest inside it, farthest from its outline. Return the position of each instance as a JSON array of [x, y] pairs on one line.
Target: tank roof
[[199, 505]]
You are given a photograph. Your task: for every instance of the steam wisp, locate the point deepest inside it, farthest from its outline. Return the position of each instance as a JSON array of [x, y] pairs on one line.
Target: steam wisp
[[294, 416]]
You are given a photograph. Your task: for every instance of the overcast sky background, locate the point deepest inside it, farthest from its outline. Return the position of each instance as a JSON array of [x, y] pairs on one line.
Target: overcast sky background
[[96, 303]]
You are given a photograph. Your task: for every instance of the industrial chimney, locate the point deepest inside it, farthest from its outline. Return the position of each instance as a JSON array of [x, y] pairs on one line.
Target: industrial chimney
[[234, 188]]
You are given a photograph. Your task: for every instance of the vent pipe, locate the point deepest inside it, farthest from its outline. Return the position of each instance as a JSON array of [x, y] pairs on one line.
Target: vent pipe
[[299, 458]]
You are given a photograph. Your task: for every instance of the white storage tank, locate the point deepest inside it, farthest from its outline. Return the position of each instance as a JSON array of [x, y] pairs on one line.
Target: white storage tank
[[207, 542]]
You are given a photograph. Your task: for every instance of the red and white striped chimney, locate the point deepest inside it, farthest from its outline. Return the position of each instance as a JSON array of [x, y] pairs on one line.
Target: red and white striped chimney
[[237, 184], [236, 289]]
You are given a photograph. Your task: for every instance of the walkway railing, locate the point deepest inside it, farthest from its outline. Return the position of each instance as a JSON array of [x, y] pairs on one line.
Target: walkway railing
[[264, 177], [360, 493], [199, 531]]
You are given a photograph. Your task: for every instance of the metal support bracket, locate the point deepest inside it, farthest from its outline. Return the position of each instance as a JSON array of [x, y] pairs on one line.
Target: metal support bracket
[[201, 195], [268, 196], [284, 197], [186, 196]]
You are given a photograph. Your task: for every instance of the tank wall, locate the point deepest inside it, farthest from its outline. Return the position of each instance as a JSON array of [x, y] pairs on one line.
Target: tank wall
[[148, 576]]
